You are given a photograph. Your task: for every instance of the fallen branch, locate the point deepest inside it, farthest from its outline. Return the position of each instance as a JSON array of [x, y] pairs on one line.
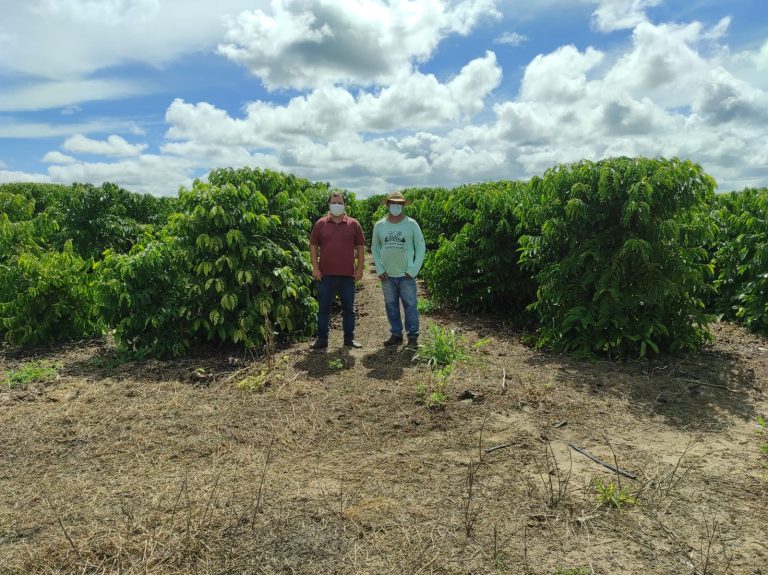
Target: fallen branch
[[64, 529], [601, 462], [717, 385], [676, 540], [502, 446]]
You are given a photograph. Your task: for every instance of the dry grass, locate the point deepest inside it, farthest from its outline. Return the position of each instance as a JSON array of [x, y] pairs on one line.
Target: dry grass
[[171, 468]]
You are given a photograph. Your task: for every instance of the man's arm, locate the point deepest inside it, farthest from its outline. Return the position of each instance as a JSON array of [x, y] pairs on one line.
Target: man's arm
[[419, 251], [315, 264], [360, 257], [376, 252]]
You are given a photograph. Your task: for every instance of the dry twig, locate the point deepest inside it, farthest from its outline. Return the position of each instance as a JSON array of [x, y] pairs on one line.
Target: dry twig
[[601, 462]]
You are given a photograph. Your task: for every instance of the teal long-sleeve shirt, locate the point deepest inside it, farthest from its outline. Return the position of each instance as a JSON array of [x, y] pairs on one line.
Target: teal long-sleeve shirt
[[398, 249]]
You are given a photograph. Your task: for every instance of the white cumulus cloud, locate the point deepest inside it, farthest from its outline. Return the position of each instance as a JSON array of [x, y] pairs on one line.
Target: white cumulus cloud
[[112, 146], [614, 15], [90, 35], [151, 174], [375, 97], [416, 100], [58, 158], [510, 39], [309, 43], [7, 177]]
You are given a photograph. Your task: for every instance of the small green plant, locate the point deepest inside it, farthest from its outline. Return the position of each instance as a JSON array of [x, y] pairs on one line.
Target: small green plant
[[427, 306], [421, 391], [33, 372], [437, 397], [432, 393], [255, 382], [441, 348], [613, 494], [336, 364], [106, 361], [267, 375]]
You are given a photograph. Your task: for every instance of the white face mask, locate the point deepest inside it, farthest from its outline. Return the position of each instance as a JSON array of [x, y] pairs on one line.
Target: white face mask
[[395, 209], [336, 209]]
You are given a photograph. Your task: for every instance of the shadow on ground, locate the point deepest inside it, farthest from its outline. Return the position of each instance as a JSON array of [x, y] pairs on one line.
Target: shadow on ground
[[388, 363], [694, 391], [320, 364]]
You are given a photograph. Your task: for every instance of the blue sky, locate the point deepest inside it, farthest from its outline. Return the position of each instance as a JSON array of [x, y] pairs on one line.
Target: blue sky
[[377, 95]]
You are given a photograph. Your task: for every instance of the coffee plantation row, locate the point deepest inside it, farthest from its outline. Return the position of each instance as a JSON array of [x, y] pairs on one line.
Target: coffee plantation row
[[625, 257]]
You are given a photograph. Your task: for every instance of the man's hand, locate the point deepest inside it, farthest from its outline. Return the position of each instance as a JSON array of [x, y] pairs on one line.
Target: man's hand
[[316, 274], [383, 276], [358, 274]]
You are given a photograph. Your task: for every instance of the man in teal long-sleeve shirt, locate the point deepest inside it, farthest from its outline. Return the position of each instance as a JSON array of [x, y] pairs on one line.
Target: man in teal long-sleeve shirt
[[398, 251]]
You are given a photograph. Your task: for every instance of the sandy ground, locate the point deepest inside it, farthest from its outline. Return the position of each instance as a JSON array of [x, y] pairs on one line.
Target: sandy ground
[[336, 464]]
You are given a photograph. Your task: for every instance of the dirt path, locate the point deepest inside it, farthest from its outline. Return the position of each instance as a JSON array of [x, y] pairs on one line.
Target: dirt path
[[336, 465]]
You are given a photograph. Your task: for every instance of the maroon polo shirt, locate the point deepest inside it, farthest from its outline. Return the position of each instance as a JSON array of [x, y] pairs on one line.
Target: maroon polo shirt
[[337, 243]]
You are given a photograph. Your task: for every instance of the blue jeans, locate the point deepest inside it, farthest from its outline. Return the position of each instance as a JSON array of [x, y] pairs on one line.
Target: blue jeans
[[397, 290], [327, 288]]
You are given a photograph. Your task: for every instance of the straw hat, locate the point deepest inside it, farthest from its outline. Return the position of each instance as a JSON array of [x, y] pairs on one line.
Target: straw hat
[[395, 198]]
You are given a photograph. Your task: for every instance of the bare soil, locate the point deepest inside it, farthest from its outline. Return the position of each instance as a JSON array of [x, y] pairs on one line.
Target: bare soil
[[335, 464]]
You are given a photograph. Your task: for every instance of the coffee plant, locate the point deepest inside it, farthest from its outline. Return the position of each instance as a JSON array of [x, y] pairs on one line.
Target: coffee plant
[[21, 226], [234, 268], [442, 213], [44, 293], [46, 297], [476, 269], [617, 256], [41, 196], [623, 257], [107, 217], [741, 257], [49, 237], [367, 211], [144, 296]]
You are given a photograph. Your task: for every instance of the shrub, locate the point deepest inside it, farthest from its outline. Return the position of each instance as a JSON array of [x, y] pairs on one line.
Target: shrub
[[41, 196], [145, 296], [442, 213], [617, 256], [46, 297], [368, 211], [93, 218], [476, 269], [741, 257], [230, 267], [21, 227], [107, 217]]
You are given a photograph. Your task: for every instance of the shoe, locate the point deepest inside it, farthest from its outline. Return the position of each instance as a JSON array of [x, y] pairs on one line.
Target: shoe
[[319, 344], [394, 340], [413, 343], [352, 343]]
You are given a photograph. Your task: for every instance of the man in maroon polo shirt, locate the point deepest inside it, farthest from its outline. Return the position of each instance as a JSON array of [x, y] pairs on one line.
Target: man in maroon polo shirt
[[337, 250]]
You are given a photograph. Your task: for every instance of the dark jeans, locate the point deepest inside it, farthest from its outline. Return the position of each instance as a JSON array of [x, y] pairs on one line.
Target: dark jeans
[[327, 288]]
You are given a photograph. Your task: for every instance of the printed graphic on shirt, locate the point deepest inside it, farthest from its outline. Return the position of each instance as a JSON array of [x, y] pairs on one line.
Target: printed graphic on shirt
[[394, 240]]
